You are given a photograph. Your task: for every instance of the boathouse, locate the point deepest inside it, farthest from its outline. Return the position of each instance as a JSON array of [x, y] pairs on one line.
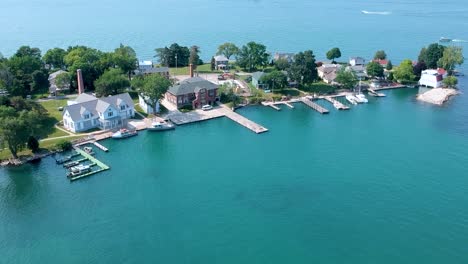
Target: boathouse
[[194, 91]]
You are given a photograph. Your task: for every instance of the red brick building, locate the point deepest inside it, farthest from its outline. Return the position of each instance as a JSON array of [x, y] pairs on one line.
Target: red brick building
[[194, 91]]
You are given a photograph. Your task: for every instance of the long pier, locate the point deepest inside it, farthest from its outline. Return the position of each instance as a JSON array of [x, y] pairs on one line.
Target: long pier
[[101, 147], [337, 104], [272, 105], [244, 121], [93, 160], [314, 106], [374, 93]]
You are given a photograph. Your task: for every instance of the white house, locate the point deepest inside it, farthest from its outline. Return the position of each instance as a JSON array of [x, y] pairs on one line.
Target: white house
[[221, 62], [87, 112], [432, 78], [355, 61], [52, 86], [283, 56], [327, 72], [145, 65], [146, 107]]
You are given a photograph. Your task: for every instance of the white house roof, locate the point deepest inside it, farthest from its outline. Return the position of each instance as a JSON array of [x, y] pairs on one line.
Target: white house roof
[[84, 97], [220, 58], [145, 63], [430, 72], [54, 74]]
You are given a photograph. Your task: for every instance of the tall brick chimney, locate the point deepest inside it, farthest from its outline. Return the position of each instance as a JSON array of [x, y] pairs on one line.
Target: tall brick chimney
[[79, 76], [191, 70]]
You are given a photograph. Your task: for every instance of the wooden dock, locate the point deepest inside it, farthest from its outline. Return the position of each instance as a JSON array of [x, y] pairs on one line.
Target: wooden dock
[[94, 161], [272, 105], [314, 106], [243, 121], [337, 104], [101, 147], [374, 93]]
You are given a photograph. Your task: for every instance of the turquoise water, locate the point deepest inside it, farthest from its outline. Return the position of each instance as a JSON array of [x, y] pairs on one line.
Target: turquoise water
[[384, 182]]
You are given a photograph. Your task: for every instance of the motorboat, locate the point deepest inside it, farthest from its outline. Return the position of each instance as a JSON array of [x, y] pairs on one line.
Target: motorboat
[[361, 98], [124, 133], [89, 150], [161, 126], [71, 164], [350, 98], [444, 39], [79, 170]]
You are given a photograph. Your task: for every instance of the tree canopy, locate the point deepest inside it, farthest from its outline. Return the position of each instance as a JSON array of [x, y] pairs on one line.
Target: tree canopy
[[228, 49], [431, 55], [275, 80], [374, 69], [194, 58], [389, 66], [405, 73], [282, 64], [87, 59], [252, 55], [169, 56], [22, 65], [111, 82], [451, 57], [55, 58], [152, 88], [346, 78], [125, 58], [380, 55], [303, 69], [333, 54]]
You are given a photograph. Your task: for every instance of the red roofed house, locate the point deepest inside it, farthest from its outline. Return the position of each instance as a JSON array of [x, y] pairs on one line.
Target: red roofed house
[[382, 63]]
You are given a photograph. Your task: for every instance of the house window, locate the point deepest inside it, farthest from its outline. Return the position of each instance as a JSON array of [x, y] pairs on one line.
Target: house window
[[211, 93], [122, 107], [110, 114], [86, 116]]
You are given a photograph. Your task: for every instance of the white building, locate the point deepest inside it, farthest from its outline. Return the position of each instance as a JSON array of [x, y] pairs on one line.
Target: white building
[[146, 107], [327, 72], [355, 61], [145, 65], [87, 112], [432, 78], [52, 86]]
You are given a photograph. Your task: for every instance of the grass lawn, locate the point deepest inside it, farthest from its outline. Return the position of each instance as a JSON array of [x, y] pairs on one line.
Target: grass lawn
[[205, 68], [140, 111], [49, 144], [52, 107], [57, 133]]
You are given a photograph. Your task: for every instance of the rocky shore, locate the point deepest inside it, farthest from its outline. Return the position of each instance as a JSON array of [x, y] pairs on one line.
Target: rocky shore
[[437, 96]]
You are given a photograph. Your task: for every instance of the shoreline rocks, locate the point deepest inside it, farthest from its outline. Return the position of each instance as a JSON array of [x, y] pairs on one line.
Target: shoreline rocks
[[437, 96]]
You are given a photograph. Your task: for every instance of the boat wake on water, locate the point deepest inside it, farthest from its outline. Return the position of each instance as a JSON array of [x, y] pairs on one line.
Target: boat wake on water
[[383, 13], [460, 40]]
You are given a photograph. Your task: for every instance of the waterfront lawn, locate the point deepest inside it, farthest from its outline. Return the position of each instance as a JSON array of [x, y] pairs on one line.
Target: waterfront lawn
[[52, 107], [204, 68], [139, 112], [319, 88], [55, 132]]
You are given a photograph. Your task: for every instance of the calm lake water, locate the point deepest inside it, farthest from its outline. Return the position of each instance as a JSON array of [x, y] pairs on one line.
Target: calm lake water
[[385, 182]]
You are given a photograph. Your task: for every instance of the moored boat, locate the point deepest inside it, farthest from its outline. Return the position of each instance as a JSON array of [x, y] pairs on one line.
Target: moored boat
[[124, 133], [350, 98], [444, 39], [79, 170], [161, 126], [361, 98], [89, 150]]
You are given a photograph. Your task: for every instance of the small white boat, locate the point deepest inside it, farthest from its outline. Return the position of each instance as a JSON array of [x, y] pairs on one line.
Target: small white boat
[[161, 126], [350, 98], [361, 98], [124, 133], [444, 39], [89, 150], [78, 170]]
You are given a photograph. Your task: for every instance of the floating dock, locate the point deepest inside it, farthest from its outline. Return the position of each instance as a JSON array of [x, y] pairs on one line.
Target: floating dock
[[337, 104], [93, 160], [101, 147], [272, 105], [374, 93], [314, 106]]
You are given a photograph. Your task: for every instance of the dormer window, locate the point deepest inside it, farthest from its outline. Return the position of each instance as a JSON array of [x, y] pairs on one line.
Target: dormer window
[[110, 114], [122, 107], [86, 116]]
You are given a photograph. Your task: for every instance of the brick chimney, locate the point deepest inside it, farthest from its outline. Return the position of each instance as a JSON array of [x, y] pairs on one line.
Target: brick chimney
[[79, 76], [191, 70]]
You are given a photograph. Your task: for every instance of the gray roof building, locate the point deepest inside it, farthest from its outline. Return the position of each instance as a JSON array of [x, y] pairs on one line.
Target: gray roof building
[[191, 85]]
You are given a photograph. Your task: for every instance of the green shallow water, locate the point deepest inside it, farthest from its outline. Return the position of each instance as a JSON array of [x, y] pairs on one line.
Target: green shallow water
[[384, 182]]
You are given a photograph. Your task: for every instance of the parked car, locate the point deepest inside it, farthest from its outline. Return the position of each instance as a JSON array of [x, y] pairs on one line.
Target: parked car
[[206, 107]]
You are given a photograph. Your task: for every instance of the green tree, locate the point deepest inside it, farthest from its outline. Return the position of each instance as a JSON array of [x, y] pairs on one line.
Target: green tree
[[169, 56], [451, 57], [33, 144], [152, 88], [374, 69], [431, 55], [64, 145], [303, 69], [40, 81], [333, 54], [125, 58], [88, 60], [22, 65], [55, 58], [228, 49], [282, 64], [252, 55], [194, 58], [450, 81], [213, 64], [345, 78], [389, 66], [13, 134], [405, 72], [275, 80], [380, 55], [62, 81], [111, 82]]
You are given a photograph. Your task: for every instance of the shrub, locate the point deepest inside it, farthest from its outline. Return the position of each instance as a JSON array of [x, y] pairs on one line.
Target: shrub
[[64, 145], [33, 144]]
